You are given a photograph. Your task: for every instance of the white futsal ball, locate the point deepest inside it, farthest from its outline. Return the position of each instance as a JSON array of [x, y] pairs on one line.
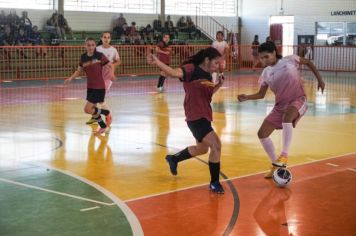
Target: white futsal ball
[[282, 177]]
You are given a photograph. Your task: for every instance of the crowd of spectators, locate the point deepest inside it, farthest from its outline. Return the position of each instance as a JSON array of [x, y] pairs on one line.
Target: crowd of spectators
[[152, 33], [20, 31]]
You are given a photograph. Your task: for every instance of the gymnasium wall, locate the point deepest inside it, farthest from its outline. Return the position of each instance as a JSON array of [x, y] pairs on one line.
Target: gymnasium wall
[[98, 21], [255, 15]]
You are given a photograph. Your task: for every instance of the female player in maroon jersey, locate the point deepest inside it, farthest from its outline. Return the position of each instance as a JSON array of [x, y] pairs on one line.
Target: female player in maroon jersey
[[92, 63], [195, 73]]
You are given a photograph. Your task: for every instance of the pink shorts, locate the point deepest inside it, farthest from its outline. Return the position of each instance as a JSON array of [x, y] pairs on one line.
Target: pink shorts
[[108, 77], [276, 115]]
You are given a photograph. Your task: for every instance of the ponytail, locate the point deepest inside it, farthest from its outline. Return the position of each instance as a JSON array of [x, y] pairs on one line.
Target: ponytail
[[269, 47], [200, 56]]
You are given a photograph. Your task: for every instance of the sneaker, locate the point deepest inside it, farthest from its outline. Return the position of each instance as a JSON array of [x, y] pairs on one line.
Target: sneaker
[[160, 89], [281, 161], [216, 187], [172, 164], [108, 119], [91, 121], [269, 174]]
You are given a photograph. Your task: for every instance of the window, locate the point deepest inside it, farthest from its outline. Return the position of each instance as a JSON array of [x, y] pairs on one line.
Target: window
[[201, 7], [336, 33], [124, 6], [30, 4]]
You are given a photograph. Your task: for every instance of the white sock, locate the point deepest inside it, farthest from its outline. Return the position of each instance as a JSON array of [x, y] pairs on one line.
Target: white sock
[[286, 137], [269, 148]]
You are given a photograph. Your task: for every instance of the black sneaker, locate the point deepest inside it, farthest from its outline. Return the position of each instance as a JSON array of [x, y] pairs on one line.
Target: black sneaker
[[172, 164], [216, 187]]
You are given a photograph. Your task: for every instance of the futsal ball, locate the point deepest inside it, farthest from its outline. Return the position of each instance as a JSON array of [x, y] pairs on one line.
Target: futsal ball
[[282, 177]]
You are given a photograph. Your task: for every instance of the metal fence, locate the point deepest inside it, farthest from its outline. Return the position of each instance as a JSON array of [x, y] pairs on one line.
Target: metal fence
[[44, 62]]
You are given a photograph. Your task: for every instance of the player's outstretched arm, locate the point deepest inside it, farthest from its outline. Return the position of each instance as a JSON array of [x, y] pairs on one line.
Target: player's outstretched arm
[[259, 95], [75, 74], [310, 64], [169, 71]]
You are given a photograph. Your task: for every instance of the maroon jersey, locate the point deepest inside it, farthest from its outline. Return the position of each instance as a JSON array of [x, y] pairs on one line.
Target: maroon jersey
[[199, 89], [92, 66], [166, 59]]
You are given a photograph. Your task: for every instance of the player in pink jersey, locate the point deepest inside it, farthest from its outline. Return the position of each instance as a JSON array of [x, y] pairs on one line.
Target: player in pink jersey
[[281, 75]]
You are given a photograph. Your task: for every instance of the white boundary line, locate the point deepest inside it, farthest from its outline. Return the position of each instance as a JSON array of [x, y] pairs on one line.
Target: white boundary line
[[55, 192], [239, 177], [131, 217], [90, 208]]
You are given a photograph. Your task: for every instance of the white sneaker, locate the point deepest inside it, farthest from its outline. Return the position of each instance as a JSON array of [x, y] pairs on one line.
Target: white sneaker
[[160, 89]]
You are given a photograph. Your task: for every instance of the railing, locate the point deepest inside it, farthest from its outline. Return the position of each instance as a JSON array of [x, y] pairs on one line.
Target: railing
[[32, 62], [208, 25]]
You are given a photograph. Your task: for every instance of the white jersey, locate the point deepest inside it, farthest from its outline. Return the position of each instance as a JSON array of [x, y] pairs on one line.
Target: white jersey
[[108, 72], [220, 46], [284, 79], [110, 53]]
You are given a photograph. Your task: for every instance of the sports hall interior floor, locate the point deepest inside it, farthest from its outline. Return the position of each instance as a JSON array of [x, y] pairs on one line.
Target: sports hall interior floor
[[57, 178]]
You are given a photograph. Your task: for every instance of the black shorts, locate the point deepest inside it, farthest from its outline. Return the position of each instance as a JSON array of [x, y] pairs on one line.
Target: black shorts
[[95, 95], [200, 128]]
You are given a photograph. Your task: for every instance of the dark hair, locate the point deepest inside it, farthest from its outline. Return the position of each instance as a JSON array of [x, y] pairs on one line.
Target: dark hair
[[269, 47], [200, 56], [220, 32], [89, 39], [106, 32]]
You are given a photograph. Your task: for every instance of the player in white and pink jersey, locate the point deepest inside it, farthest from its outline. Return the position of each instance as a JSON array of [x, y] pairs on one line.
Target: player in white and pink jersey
[[223, 47], [108, 72], [282, 76]]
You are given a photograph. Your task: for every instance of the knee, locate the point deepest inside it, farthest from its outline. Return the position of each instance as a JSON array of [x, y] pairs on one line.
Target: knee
[[88, 110], [261, 134], [216, 146]]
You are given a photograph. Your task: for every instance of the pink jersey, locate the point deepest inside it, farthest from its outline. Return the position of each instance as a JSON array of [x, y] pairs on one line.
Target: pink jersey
[[284, 80]]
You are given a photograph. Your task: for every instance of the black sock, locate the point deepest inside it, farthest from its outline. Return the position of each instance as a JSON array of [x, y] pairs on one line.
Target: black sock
[[182, 155], [161, 81], [100, 122], [214, 171], [99, 111]]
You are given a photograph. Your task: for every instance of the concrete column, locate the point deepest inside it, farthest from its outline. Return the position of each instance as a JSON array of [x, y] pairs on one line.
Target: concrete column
[[163, 13]]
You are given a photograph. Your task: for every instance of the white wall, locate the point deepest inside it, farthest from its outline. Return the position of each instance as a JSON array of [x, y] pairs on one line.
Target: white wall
[[255, 15]]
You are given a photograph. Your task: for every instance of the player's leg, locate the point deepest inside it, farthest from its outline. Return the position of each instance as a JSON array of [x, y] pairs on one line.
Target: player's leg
[[213, 141], [290, 118], [263, 134]]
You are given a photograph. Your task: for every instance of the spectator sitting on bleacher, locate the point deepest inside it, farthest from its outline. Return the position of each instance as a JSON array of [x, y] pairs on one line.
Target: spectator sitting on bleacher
[[8, 37], [157, 24], [118, 32], [121, 20], [182, 25], [64, 27], [22, 38], [192, 29], [169, 27], [25, 22], [3, 20], [52, 26], [134, 36], [35, 39], [147, 34], [13, 20]]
